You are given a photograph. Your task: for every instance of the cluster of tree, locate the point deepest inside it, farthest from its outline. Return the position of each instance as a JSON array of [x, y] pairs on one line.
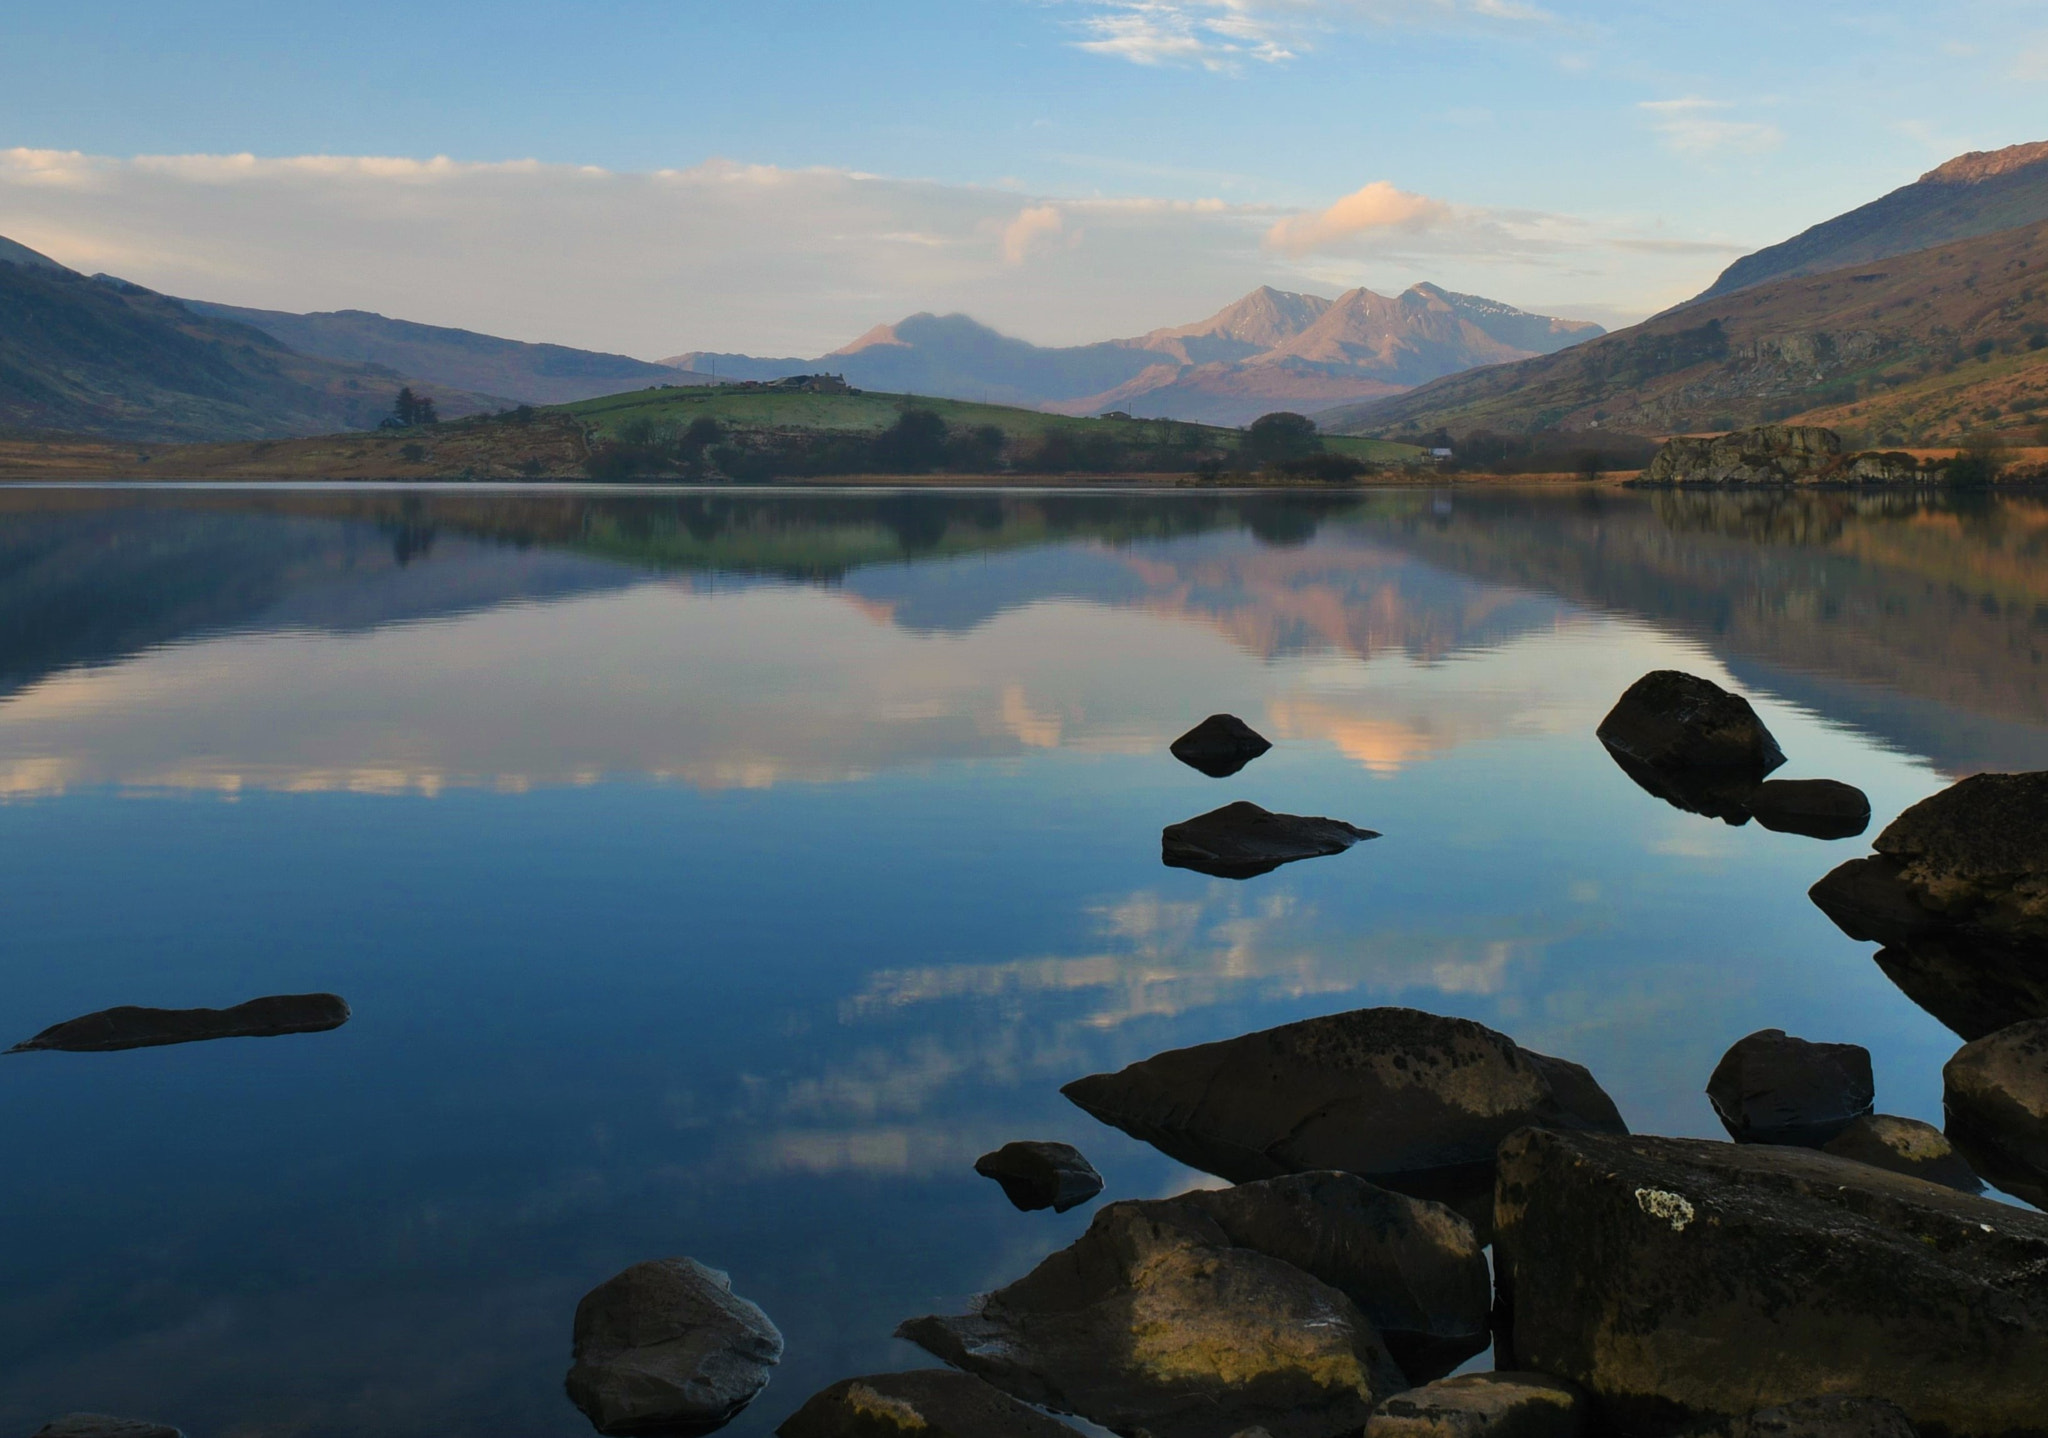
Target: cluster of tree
[[411, 409]]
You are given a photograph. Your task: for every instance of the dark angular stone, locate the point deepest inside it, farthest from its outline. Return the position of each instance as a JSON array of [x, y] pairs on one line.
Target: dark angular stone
[[1684, 1283], [1816, 808], [1995, 1095], [924, 1403], [104, 1425], [1668, 722], [1153, 1322], [1483, 1405], [1820, 1418], [667, 1348], [1905, 1145], [129, 1027], [1242, 841], [1037, 1175], [1220, 745], [1415, 1102], [1773, 1088], [1415, 1269]]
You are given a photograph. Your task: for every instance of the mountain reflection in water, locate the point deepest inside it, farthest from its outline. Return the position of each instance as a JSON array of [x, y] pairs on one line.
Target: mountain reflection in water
[[720, 872]]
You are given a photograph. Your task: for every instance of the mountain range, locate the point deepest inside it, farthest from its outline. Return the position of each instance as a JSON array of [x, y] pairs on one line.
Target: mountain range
[[1272, 349]]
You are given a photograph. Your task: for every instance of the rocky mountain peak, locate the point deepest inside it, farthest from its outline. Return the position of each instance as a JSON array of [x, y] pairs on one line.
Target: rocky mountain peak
[[1981, 165]]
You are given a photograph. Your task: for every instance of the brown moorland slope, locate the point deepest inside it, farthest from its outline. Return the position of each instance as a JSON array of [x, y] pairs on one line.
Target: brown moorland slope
[[1931, 348]]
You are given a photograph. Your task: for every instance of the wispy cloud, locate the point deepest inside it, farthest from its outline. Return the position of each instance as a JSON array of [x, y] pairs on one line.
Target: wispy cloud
[[1221, 35], [1693, 126]]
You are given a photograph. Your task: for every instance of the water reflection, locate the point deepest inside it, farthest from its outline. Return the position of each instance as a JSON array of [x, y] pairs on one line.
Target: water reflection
[[723, 873]]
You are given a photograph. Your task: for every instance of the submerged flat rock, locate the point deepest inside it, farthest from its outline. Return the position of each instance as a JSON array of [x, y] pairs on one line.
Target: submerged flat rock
[[1816, 808], [1154, 1322], [1685, 1283], [923, 1403], [667, 1348], [129, 1027], [104, 1425], [1039, 1174], [1241, 840], [1220, 745], [1413, 1101]]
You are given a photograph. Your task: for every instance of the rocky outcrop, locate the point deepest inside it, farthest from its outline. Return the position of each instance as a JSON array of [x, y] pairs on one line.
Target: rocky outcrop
[[129, 1027], [1816, 808], [1153, 1322], [924, 1403], [1413, 1101], [1905, 1145], [1774, 1088], [1220, 745], [1242, 841], [1820, 1418], [1958, 893], [1036, 1174], [667, 1348], [1995, 1095], [1689, 741], [1768, 454], [1415, 1269], [104, 1425], [1684, 1283], [1483, 1405]]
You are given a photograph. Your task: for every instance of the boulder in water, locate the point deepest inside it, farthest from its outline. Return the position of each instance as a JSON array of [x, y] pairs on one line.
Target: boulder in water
[[667, 1348], [129, 1027], [1995, 1094], [1905, 1145], [1483, 1405], [1036, 1174], [1220, 745], [1686, 729], [1153, 1321], [1773, 1088], [923, 1403], [1684, 1283], [1241, 841], [1816, 808], [1413, 1101], [1415, 1269], [104, 1425]]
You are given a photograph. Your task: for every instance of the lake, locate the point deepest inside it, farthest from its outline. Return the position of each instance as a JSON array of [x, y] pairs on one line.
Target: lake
[[717, 872]]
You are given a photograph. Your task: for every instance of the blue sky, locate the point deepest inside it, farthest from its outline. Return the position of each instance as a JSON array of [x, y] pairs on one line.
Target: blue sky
[[1592, 159]]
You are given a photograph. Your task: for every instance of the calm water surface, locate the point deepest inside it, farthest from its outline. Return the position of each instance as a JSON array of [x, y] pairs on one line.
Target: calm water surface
[[720, 873]]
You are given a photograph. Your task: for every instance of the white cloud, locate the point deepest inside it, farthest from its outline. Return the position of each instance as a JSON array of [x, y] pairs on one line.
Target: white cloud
[[1693, 126], [769, 260], [1219, 34]]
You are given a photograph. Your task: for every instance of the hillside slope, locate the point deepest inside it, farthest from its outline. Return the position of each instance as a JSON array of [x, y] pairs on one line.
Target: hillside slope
[[454, 358], [1976, 194], [1923, 349], [104, 357], [1270, 350]]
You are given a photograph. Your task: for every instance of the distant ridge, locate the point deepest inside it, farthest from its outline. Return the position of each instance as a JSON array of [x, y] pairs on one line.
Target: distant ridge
[[1271, 349], [1980, 193]]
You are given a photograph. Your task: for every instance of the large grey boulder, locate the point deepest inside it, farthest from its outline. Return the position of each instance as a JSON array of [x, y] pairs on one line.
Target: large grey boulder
[[1690, 742], [924, 1403], [1220, 745], [1819, 1418], [1766, 454], [1958, 893], [1039, 1174], [1413, 1101], [104, 1425], [1153, 1322], [1684, 1283], [1415, 1269], [667, 1348], [1994, 1093], [129, 1027], [1773, 1088], [1483, 1405], [1242, 841], [1905, 1145]]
